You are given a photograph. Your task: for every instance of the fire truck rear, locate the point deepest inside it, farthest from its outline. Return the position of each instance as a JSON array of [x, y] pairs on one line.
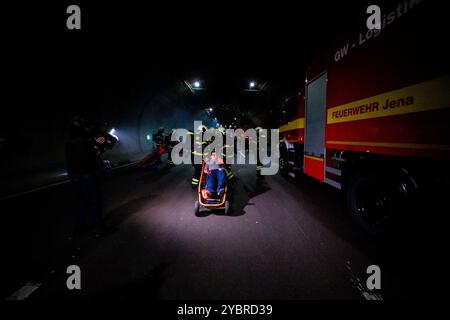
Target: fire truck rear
[[374, 117]]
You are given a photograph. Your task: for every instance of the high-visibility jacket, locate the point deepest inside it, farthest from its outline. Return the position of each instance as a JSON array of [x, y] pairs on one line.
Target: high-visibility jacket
[[228, 159], [197, 149]]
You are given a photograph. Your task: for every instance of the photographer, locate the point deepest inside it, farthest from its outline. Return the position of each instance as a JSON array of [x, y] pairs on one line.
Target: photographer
[[83, 149]]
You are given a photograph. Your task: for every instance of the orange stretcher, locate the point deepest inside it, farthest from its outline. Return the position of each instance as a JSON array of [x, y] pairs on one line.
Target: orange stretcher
[[212, 203]]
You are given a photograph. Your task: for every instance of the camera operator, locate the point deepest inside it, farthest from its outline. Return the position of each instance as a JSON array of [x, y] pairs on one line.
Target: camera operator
[[83, 149]]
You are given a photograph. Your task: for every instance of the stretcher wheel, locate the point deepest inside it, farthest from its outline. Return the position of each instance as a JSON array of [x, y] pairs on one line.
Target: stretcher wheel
[[227, 207], [196, 207]]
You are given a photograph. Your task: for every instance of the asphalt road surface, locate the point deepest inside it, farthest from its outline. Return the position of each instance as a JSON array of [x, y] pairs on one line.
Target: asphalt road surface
[[283, 239]]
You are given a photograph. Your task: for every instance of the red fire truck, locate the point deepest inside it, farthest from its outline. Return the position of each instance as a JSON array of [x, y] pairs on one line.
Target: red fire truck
[[374, 118]]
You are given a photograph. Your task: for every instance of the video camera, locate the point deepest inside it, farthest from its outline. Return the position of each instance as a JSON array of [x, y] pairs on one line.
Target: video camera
[[92, 131]]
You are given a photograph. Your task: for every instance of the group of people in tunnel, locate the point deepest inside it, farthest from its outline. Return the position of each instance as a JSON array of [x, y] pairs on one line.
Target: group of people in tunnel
[[83, 153]]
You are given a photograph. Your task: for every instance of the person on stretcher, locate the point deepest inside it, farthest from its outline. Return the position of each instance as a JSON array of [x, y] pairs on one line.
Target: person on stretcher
[[215, 179]]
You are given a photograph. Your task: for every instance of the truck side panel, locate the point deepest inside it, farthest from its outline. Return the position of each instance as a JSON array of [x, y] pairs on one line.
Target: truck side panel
[[389, 93]]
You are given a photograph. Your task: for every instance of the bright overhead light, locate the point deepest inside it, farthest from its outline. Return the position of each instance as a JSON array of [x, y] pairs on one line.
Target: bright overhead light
[[210, 109], [252, 84], [197, 84]]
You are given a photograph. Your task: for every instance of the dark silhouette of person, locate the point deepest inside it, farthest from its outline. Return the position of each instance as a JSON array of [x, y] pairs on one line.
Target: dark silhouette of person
[[83, 167]]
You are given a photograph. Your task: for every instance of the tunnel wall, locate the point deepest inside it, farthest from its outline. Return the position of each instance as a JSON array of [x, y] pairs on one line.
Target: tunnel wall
[[34, 134]]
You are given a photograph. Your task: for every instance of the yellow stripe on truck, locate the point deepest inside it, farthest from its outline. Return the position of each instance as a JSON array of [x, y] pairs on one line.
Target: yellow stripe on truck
[[313, 158], [392, 145], [425, 96], [295, 124]]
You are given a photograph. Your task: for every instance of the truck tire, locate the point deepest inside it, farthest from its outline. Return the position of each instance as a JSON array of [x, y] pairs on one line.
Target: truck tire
[[370, 202]]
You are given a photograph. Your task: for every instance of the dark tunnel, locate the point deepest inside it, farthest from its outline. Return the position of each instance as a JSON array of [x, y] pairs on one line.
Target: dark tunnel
[[353, 118], [133, 77], [35, 145]]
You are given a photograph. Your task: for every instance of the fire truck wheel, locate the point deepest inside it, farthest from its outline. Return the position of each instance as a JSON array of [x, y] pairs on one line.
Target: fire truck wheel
[[370, 199]]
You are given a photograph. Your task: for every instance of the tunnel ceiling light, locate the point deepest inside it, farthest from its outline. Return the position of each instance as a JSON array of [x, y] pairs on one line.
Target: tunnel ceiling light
[[197, 84]]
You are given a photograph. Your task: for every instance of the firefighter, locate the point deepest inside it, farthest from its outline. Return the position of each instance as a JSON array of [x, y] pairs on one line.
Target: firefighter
[[227, 158], [197, 149], [158, 137], [170, 147], [158, 140], [159, 149], [196, 175], [259, 165]]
